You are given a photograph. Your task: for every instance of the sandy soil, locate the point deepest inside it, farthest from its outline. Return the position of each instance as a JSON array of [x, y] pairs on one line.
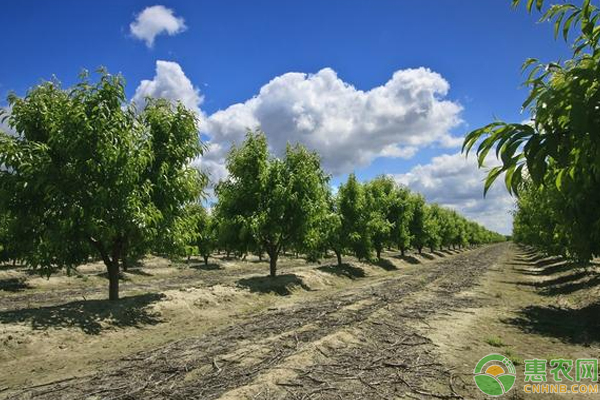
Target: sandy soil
[[403, 328]]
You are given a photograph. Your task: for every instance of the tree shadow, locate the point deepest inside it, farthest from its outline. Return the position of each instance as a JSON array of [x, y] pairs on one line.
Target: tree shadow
[[428, 256], [545, 266], [344, 270], [122, 277], [409, 259], [91, 316], [570, 286], [580, 326], [558, 268], [282, 285], [547, 262], [439, 254], [265, 260], [10, 267], [562, 280], [204, 267], [533, 258], [138, 271], [386, 264], [13, 285], [449, 252]]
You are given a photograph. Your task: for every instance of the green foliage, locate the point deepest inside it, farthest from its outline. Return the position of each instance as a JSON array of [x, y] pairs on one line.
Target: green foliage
[[88, 175], [352, 208], [380, 197], [204, 236], [401, 211], [433, 227], [369, 217], [417, 223], [279, 201], [558, 154]]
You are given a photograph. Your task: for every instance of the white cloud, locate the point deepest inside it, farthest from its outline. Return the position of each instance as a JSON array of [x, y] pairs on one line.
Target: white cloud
[[156, 20], [170, 83], [454, 181], [350, 128], [393, 151], [347, 126]]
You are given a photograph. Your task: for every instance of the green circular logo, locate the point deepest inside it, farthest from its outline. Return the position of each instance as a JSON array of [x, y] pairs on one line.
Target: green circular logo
[[494, 380]]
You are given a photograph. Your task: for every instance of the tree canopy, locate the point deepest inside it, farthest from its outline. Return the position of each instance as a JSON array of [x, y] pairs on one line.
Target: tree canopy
[[557, 154], [278, 201], [87, 174]]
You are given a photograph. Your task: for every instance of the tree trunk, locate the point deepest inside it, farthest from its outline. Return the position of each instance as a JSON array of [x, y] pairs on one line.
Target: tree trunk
[[420, 250], [206, 260], [338, 254], [432, 249], [378, 254], [260, 256], [402, 251], [113, 280], [273, 255], [125, 260], [112, 264]]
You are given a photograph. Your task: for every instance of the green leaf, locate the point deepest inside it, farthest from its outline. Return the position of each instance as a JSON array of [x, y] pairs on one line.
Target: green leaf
[[491, 177], [568, 22]]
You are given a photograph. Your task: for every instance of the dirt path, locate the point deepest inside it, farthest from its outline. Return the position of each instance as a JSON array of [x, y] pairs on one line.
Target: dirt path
[[526, 307], [363, 342]]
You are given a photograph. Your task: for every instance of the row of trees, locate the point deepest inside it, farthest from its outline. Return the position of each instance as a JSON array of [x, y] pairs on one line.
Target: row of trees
[[88, 175], [552, 164], [268, 204]]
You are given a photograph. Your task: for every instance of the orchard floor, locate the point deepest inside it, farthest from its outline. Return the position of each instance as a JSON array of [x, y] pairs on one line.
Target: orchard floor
[[410, 327]]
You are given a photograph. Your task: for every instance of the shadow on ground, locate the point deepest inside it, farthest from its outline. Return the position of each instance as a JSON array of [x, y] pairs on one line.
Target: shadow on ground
[[344, 270], [580, 326], [577, 282], [571, 277], [11, 267], [138, 271], [386, 264], [409, 259], [204, 267], [282, 285], [555, 267], [91, 316], [13, 285]]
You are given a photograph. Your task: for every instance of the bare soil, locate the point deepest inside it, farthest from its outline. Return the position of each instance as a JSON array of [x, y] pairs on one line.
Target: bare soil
[[411, 327]]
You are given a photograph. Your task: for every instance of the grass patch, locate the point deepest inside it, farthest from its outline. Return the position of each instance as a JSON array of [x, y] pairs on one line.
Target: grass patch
[[494, 341], [512, 356]]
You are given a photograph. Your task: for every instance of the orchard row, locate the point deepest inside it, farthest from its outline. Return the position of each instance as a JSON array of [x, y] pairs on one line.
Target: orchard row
[[267, 204]]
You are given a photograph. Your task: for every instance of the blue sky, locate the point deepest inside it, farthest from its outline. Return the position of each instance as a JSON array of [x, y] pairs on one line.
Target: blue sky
[[231, 49]]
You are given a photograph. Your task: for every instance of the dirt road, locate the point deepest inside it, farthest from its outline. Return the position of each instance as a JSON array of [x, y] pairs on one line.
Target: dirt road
[[364, 341]]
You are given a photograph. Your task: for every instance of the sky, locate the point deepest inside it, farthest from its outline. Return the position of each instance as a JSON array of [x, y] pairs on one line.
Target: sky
[[375, 86]]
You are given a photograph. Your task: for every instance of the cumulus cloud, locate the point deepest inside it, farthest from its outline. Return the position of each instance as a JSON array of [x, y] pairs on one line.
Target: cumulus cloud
[[454, 181], [154, 21], [171, 83], [347, 126]]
